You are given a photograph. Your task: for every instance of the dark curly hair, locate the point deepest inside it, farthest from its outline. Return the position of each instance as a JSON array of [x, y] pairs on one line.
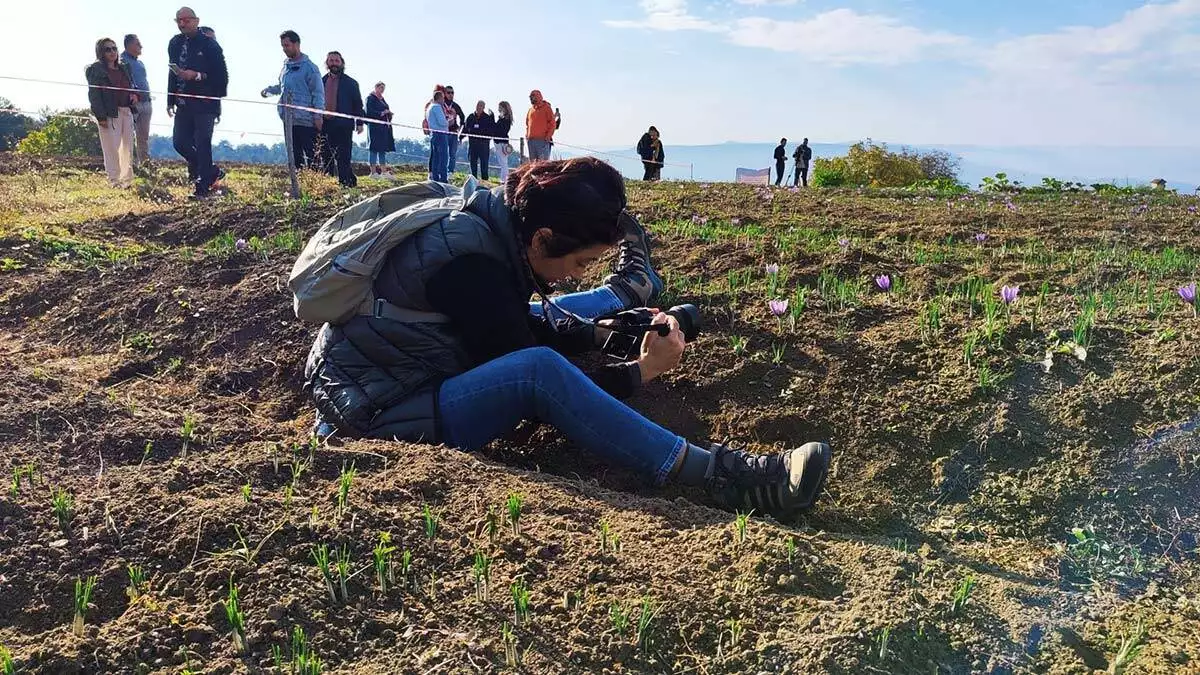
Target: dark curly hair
[[581, 200]]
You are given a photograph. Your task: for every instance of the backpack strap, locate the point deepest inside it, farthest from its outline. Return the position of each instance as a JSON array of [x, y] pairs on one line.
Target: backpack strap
[[382, 309]]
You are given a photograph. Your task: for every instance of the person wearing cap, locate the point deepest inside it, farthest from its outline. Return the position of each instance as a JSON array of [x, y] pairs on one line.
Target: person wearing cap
[[539, 126]]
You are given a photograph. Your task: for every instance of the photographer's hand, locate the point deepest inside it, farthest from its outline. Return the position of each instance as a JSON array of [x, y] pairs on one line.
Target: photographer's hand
[[661, 353]]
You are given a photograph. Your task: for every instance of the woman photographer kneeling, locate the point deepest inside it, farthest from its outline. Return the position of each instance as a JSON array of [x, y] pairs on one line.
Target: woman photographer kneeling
[[466, 357]]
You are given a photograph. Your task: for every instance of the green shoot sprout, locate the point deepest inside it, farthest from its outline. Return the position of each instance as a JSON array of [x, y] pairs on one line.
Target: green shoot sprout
[[512, 657], [431, 522], [513, 504], [344, 481], [962, 593], [884, 637], [789, 550], [342, 565], [645, 624], [7, 665], [382, 556], [482, 571], [246, 492], [63, 505], [405, 567], [137, 582], [320, 555], [491, 525], [520, 596], [237, 619], [83, 599], [619, 615], [740, 522], [187, 434]]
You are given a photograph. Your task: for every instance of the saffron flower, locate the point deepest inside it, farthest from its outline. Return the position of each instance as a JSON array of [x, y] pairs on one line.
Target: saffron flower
[[241, 244], [844, 243], [735, 221], [777, 307], [981, 237], [1009, 294], [1188, 294], [772, 268], [884, 282]]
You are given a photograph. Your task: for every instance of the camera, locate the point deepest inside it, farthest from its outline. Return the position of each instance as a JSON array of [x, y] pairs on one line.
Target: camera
[[628, 328]]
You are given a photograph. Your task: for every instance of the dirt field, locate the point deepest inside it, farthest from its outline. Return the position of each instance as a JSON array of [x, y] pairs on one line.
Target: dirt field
[[985, 513]]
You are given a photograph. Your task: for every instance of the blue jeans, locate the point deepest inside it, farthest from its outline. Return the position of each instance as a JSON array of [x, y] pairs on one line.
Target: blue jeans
[[540, 384], [437, 156], [375, 158], [539, 149], [452, 150]]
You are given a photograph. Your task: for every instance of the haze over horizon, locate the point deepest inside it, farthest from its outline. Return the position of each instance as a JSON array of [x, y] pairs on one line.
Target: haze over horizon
[[921, 72]]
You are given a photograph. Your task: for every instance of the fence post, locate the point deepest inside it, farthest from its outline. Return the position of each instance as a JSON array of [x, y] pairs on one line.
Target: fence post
[[523, 159], [288, 122]]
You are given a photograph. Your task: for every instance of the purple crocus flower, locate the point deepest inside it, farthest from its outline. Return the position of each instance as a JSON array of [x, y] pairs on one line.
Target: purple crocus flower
[[884, 282], [1188, 293], [844, 243], [777, 307], [772, 268], [981, 237], [1009, 294], [1191, 209], [241, 244], [735, 221]]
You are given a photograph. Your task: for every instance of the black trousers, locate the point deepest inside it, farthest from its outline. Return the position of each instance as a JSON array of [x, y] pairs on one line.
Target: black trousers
[[779, 171], [304, 145], [801, 175], [336, 140], [479, 152], [192, 137], [653, 170]]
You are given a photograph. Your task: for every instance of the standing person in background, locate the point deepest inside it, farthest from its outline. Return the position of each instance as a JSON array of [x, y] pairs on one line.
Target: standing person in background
[[383, 140], [439, 136], [113, 111], [500, 133], [651, 151], [337, 134], [198, 68], [299, 85], [143, 109], [780, 160], [803, 156], [454, 117], [539, 126], [479, 127]]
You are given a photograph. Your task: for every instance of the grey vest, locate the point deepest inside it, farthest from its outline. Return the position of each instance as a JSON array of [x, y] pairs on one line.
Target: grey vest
[[378, 378]]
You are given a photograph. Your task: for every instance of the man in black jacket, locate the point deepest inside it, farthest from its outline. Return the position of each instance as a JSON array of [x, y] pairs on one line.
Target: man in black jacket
[[197, 69], [803, 156], [780, 159], [337, 133]]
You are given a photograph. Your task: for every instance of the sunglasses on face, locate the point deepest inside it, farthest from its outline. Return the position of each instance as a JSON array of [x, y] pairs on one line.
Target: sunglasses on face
[[110, 48]]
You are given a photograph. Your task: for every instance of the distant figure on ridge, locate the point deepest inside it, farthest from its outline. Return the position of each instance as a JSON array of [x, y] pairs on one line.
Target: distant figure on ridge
[[342, 95], [299, 85], [500, 133], [539, 126], [142, 110], [383, 139], [803, 156], [439, 135], [113, 111], [454, 119], [780, 160], [651, 151], [197, 69], [479, 126]]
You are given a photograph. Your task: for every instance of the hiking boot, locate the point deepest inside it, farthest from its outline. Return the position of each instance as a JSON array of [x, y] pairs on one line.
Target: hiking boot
[[634, 279], [782, 484]]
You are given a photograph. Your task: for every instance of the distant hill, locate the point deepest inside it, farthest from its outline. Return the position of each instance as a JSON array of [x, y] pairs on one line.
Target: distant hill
[[1179, 166]]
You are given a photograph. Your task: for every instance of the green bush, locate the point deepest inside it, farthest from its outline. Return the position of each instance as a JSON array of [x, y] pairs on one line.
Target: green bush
[[63, 136], [870, 164]]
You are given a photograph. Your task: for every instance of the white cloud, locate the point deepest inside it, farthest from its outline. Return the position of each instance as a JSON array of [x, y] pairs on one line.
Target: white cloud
[[843, 36], [667, 15], [766, 3]]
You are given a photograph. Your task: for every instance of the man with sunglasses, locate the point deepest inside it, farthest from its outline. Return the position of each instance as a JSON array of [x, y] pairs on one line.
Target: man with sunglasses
[[196, 82]]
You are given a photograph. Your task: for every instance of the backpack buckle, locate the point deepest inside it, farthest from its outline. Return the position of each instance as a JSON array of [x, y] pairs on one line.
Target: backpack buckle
[[380, 303]]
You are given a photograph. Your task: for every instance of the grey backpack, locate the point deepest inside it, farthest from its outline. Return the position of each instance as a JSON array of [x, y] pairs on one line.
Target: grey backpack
[[333, 278]]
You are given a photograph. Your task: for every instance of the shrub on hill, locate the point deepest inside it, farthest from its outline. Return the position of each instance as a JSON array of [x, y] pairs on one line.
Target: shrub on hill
[[870, 164]]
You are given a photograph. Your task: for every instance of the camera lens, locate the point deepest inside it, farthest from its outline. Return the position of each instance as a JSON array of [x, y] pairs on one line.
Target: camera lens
[[688, 317]]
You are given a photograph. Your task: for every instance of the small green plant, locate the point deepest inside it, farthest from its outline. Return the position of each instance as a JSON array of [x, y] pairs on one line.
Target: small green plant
[[931, 319], [482, 572], [83, 600], [341, 565], [320, 555], [246, 492], [1131, 646], [520, 597], [381, 558], [513, 504], [237, 619], [303, 660], [491, 524], [734, 628], [187, 433], [345, 479], [881, 642], [405, 567], [610, 542], [987, 379], [739, 523], [430, 520], [7, 665], [512, 657], [962, 594], [738, 343], [645, 624], [146, 451], [777, 353], [137, 582], [621, 617], [789, 550], [63, 505]]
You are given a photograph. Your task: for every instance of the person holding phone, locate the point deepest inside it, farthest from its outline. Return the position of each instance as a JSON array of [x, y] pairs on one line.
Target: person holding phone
[[197, 82]]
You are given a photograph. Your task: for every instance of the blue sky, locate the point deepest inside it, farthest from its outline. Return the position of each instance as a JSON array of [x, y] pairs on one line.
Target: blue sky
[[988, 72]]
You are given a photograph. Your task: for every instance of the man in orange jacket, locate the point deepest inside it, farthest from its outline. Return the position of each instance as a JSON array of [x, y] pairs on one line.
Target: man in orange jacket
[[539, 126]]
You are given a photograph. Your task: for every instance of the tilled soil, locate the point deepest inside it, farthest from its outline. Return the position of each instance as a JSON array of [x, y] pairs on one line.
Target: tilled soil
[[935, 480]]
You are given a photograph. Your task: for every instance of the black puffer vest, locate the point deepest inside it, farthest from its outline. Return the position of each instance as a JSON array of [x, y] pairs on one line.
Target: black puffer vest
[[378, 378]]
